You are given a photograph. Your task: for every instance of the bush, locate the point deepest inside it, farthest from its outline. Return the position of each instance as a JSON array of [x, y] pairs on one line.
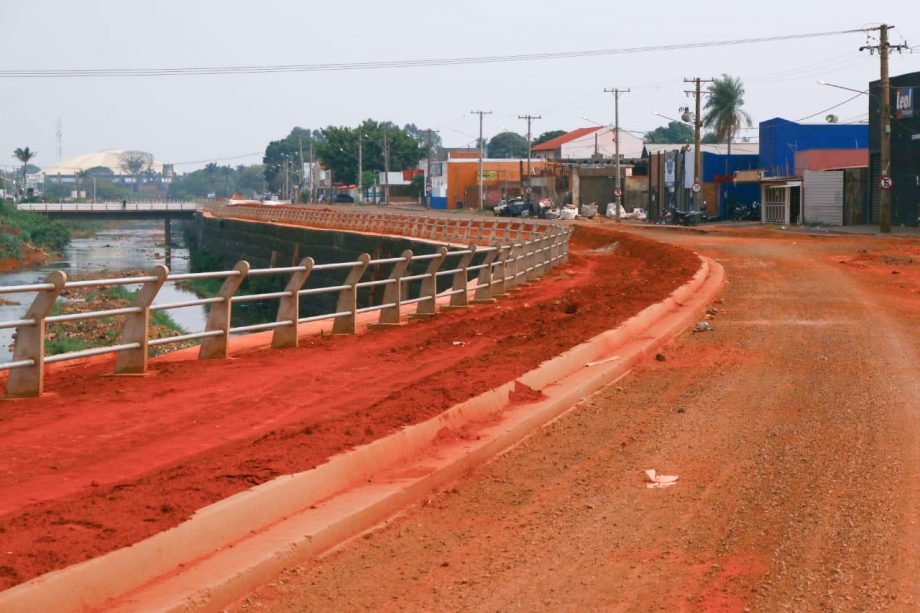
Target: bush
[[34, 228], [10, 246]]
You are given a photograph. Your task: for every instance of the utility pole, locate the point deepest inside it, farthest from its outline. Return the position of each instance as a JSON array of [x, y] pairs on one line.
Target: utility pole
[[529, 118], [302, 178], [697, 138], [360, 169], [481, 153], [428, 172], [312, 181], [386, 167], [616, 140], [884, 111]]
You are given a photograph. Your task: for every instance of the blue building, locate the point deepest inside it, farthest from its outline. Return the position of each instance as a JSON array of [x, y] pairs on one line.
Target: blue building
[[780, 139]]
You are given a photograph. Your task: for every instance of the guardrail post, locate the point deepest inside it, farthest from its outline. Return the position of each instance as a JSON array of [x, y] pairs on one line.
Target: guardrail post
[[460, 300], [30, 342], [348, 298], [499, 270], [485, 284], [511, 266], [390, 316], [289, 307], [533, 259], [215, 347], [542, 254], [429, 289], [137, 326]]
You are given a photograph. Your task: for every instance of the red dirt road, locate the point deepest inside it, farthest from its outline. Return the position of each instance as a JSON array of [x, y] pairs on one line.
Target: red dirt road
[[794, 427], [100, 463]]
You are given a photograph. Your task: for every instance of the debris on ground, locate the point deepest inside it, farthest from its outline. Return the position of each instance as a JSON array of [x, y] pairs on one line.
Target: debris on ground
[[656, 481], [702, 326], [660, 357]]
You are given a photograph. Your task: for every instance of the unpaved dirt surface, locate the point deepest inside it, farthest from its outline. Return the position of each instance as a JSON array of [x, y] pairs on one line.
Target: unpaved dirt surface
[[793, 426], [99, 463]]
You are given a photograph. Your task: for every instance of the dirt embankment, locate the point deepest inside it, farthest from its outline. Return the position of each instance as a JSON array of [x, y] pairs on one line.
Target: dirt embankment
[[31, 257], [100, 463]]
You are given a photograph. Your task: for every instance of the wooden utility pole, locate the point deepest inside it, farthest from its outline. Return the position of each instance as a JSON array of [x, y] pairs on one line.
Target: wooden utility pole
[[884, 110], [360, 169], [529, 118], [481, 153], [616, 141], [697, 93], [312, 181], [300, 188]]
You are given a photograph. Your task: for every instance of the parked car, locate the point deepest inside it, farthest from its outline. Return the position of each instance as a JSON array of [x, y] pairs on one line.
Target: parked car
[[512, 207], [343, 199]]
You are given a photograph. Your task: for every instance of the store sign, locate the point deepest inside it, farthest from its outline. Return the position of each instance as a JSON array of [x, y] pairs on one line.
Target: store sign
[[904, 102], [670, 167], [490, 175]]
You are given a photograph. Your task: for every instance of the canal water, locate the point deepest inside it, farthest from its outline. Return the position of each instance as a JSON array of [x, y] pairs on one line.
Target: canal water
[[110, 253]]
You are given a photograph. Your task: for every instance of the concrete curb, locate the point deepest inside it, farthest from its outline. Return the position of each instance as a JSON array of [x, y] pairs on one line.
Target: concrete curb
[[228, 548]]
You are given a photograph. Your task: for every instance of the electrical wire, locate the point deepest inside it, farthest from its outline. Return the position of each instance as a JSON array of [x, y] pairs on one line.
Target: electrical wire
[[832, 107], [390, 64]]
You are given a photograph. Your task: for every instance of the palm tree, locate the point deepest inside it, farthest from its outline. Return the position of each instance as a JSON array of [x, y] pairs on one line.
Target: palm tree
[[24, 155], [723, 112]]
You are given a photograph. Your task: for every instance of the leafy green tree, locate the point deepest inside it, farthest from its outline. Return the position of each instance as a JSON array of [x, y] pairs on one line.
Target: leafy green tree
[[675, 132], [723, 112], [339, 149], [507, 145], [24, 155], [550, 135], [287, 150]]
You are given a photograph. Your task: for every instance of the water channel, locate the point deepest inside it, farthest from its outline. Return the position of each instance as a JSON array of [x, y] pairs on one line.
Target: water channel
[[110, 252]]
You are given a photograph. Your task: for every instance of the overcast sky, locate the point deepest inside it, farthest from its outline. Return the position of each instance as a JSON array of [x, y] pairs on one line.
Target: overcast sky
[[190, 119]]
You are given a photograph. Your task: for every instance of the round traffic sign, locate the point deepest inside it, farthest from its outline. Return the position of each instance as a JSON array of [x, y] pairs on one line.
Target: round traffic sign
[[886, 182], [527, 190], [618, 192], [697, 188], [428, 188]]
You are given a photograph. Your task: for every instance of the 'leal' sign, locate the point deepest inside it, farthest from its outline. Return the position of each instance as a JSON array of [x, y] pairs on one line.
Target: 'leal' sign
[[904, 102]]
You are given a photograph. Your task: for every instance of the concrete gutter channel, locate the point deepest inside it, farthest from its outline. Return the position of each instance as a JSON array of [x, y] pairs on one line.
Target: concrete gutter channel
[[229, 548]]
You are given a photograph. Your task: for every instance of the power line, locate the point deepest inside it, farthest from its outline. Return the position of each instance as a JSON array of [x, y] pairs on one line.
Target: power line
[[388, 64], [831, 108]]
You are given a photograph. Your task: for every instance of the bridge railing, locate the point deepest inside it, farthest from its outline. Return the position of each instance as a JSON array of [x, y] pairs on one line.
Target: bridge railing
[[477, 273], [102, 207]]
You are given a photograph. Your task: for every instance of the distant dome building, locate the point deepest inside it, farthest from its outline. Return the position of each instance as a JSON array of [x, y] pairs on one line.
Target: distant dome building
[[122, 164]]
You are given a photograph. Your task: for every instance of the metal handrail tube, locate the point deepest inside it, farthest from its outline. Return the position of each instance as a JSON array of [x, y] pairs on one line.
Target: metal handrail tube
[[458, 252], [415, 277], [304, 320], [93, 314], [256, 297], [17, 364], [385, 261], [16, 323], [182, 337], [34, 287], [455, 291], [182, 305], [336, 265], [416, 300], [256, 272], [220, 274], [373, 283], [86, 353], [257, 327], [322, 290], [444, 273], [378, 307], [479, 267], [118, 281], [486, 249], [427, 256]]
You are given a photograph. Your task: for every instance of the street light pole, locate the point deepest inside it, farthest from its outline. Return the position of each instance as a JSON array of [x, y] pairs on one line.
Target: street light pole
[[360, 169], [529, 118], [697, 138], [481, 154]]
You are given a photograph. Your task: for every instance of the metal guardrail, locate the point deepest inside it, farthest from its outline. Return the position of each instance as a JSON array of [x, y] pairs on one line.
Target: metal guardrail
[[103, 207], [518, 253]]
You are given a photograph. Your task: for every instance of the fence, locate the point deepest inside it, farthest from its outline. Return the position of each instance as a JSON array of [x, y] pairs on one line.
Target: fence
[[516, 253]]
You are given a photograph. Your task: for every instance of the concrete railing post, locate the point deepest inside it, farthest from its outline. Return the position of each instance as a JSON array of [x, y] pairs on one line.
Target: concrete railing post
[[390, 316], [512, 265], [348, 298], [459, 298], [429, 289], [30, 342], [289, 307], [137, 326], [215, 347], [498, 271], [485, 284]]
